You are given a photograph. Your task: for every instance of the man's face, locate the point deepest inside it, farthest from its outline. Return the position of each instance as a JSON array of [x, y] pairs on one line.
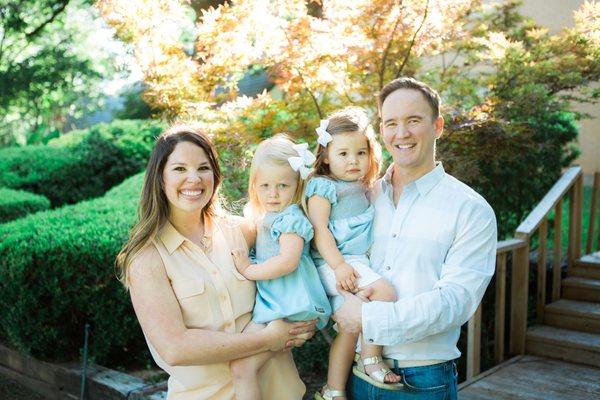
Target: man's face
[[409, 130]]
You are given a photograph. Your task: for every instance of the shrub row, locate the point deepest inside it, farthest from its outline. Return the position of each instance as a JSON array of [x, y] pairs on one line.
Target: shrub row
[[17, 203], [82, 164], [57, 274]]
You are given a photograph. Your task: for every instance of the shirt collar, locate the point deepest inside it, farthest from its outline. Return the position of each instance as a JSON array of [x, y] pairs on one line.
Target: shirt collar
[[172, 239], [425, 183]]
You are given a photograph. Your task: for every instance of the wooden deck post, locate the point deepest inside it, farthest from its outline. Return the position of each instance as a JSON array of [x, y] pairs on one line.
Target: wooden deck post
[[590, 235], [519, 292], [575, 223], [474, 344], [556, 258], [500, 310], [541, 278]]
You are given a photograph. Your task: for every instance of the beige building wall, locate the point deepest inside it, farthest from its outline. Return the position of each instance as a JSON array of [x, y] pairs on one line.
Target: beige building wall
[[557, 15]]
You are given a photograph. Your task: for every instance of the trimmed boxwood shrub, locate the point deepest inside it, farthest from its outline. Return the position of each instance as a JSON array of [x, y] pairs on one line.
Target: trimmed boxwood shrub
[[80, 165], [57, 274], [17, 203]]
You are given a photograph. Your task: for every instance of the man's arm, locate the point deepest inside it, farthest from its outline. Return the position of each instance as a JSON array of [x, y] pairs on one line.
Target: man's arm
[[465, 274]]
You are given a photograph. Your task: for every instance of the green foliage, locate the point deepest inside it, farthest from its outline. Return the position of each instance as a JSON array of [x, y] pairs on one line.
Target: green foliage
[[48, 72], [17, 203], [82, 164], [134, 106], [512, 165], [64, 259]]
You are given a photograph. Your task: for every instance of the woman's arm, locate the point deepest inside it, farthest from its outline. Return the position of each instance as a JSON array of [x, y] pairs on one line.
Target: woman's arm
[[319, 209], [160, 317], [290, 251]]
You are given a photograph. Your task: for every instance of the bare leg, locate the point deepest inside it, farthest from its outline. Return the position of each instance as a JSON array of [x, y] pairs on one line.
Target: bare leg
[[244, 371], [341, 357], [381, 290]]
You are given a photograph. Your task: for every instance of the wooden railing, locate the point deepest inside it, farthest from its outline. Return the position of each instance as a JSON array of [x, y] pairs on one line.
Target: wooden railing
[[571, 185]]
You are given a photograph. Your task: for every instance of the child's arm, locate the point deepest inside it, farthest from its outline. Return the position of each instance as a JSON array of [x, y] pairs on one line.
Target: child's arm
[[319, 209], [290, 251]]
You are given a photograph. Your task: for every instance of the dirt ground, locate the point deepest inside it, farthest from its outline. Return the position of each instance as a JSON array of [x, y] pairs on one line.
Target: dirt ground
[[11, 390]]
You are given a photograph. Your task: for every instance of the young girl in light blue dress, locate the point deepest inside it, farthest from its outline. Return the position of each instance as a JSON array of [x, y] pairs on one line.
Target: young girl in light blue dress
[[287, 282], [348, 158]]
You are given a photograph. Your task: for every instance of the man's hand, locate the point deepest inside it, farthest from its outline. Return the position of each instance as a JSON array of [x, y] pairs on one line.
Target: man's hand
[[349, 315]]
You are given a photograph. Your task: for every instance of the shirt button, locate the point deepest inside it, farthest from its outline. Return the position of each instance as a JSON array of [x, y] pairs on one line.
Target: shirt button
[[370, 340], [388, 267], [394, 235]]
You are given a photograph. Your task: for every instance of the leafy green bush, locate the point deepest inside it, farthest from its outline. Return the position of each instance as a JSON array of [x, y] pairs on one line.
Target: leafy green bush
[[17, 203], [63, 259], [82, 164]]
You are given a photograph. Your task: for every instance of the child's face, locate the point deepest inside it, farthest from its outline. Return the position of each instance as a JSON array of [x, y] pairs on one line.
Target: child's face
[[275, 186], [348, 156]]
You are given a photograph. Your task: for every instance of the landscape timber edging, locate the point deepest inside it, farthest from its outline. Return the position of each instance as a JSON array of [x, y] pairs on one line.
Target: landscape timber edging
[[62, 381]]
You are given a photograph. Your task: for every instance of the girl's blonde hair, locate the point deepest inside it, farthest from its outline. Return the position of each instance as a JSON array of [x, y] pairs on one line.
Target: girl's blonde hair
[[273, 151], [349, 120]]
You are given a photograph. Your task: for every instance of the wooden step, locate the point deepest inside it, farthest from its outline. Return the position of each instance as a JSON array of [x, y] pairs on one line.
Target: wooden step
[[575, 315], [578, 288], [564, 344], [587, 266]]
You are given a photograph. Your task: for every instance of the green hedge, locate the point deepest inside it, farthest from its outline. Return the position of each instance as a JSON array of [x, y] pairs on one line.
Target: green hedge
[[17, 203], [82, 164], [57, 274]]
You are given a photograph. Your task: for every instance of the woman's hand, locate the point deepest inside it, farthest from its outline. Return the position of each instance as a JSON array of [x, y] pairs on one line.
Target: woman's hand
[[346, 277], [283, 335], [241, 260]]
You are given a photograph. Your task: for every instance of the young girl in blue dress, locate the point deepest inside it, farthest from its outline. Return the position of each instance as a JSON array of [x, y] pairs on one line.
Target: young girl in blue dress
[[348, 160], [287, 282]]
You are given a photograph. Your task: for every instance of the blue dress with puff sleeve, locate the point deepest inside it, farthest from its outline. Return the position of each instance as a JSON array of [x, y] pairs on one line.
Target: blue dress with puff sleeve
[[299, 295], [351, 216]]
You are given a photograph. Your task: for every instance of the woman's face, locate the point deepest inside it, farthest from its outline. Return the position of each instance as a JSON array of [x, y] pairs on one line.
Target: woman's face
[[188, 179]]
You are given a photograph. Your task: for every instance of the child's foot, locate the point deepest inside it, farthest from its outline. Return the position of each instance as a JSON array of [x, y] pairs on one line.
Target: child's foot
[[329, 393], [378, 370]]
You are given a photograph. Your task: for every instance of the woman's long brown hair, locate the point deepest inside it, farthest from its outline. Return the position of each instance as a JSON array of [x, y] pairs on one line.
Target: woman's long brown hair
[[153, 209]]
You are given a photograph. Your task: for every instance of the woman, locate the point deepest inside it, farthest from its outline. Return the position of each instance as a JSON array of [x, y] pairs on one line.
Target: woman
[[190, 300]]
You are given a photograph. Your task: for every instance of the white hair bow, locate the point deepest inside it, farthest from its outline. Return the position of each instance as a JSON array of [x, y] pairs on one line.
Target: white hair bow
[[324, 136], [305, 157]]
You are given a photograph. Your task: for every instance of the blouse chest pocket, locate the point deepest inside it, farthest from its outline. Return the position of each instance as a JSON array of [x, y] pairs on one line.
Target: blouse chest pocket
[[194, 302], [188, 288]]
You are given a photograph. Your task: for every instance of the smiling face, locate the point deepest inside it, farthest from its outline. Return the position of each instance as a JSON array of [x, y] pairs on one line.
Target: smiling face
[[348, 156], [188, 179], [409, 131], [275, 186]]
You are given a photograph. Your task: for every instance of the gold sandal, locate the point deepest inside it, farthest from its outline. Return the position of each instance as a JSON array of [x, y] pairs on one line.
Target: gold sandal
[[375, 378], [328, 393]]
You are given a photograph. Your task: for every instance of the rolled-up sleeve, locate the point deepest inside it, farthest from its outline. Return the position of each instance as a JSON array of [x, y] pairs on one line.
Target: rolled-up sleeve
[[466, 271]]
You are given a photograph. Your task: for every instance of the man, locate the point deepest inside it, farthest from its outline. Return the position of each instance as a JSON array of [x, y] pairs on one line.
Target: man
[[435, 240]]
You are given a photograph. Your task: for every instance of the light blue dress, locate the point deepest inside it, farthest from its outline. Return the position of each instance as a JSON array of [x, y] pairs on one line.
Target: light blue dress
[[299, 295], [351, 217]]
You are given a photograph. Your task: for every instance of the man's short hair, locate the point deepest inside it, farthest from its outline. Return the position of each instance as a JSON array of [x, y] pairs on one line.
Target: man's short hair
[[431, 95]]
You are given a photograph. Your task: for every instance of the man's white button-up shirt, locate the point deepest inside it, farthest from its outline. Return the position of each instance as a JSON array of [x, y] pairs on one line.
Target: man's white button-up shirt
[[438, 248]]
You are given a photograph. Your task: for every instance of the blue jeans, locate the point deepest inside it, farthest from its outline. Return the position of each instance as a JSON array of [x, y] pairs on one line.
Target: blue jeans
[[432, 382]]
